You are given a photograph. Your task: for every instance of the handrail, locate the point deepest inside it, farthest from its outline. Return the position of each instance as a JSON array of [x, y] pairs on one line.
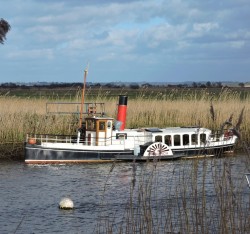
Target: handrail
[[99, 108], [55, 138], [62, 138]]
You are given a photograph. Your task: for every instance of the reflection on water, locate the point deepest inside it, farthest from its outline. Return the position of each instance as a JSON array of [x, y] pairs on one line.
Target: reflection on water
[[104, 196]]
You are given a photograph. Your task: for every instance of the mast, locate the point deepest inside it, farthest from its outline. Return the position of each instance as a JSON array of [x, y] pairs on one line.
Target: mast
[[83, 94]]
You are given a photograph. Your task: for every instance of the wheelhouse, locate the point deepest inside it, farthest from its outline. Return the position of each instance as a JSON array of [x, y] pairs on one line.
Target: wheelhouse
[[98, 131]]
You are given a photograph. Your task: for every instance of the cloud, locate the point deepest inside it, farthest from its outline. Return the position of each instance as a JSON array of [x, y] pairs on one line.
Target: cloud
[[139, 32], [32, 54]]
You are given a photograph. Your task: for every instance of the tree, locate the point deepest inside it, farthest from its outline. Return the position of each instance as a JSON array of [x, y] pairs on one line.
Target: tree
[[4, 28], [134, 86], [241, 85], [194, 85], [218, 84], [208, 84]]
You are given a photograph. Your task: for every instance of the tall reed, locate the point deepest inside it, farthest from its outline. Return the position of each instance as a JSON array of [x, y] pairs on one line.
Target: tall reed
[[198, 196]]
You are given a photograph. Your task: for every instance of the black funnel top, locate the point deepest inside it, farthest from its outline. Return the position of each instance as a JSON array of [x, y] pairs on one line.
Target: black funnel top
[[123, 100]]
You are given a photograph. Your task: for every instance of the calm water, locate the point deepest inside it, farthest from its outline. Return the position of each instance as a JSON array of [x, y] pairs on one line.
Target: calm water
[[30, 194]]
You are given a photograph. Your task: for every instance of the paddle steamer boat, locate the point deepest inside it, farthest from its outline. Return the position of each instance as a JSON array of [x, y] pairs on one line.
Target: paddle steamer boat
[[103, 139]]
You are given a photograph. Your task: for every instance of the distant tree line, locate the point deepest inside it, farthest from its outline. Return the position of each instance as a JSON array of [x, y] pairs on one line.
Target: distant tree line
[[12, 85], [113, 85]]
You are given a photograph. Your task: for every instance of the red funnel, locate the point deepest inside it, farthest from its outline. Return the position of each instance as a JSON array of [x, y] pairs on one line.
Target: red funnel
[[122, 111]]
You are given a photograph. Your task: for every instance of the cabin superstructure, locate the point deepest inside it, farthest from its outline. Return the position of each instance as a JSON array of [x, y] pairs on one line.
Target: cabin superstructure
[[101, 131], [98, 131]]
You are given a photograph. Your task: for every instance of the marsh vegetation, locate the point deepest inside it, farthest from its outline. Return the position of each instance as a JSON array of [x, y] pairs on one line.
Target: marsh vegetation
[[198, 196], [174, 107]]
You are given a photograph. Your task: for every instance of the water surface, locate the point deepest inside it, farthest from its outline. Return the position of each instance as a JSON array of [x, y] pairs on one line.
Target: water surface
[[30, 194]]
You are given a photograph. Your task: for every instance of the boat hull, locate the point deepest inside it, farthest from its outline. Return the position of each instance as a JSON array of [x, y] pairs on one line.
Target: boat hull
[[206, 151], [36, 154]]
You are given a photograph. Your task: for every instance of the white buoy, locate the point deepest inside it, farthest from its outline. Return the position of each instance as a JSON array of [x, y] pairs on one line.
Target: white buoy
[[66, 204]]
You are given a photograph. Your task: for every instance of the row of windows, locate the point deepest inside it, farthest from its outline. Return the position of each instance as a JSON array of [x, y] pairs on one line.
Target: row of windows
[[185, 139]]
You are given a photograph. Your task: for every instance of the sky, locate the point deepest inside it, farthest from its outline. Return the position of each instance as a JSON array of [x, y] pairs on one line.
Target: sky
[[126, 41]]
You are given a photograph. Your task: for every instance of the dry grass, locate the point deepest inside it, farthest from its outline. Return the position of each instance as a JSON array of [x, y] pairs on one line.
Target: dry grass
[[164, 113], [21, 116]]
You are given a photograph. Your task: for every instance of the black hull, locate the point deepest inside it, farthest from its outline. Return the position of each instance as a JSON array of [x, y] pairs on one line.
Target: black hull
[[35, 154], [184, 154], [208, 151]]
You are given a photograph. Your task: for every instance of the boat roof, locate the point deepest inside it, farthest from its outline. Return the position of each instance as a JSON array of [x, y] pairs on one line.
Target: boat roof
[[169, 130], [185, 130]]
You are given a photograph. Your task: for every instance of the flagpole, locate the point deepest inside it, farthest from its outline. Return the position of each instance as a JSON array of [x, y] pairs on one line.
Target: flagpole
[[83, 94]]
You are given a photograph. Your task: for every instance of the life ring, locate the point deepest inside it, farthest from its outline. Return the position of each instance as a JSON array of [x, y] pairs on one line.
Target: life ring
[[32, 141], [228, 134]]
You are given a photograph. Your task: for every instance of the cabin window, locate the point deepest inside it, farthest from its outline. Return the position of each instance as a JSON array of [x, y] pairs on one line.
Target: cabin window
[[194, 139], [109, 124], [89, 139], [102, 125], [203, 138], [91, 124], [158, 138], [121, 136], [168, 140], [177, 140], [185, 139]]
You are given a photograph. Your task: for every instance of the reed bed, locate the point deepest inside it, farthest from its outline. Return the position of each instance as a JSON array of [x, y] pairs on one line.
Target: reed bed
[[198, 196], [19, 116]]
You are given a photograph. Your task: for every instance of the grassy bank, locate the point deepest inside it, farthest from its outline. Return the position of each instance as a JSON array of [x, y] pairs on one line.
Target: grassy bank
[[19, 116]]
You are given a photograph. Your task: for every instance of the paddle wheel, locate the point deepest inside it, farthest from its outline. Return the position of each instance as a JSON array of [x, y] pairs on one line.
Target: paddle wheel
[[158, 149]]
